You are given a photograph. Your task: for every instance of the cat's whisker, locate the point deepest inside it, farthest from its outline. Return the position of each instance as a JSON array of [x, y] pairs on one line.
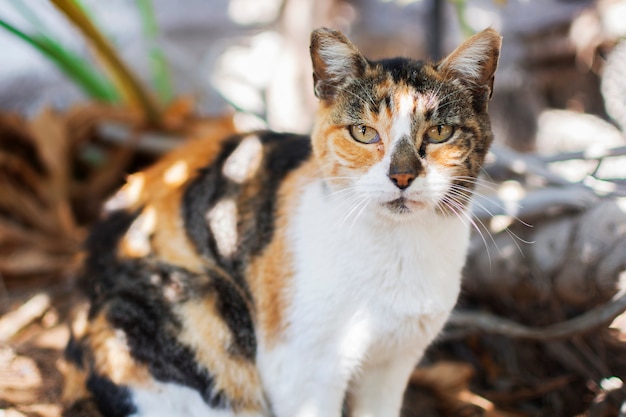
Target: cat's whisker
[[365, 100], [442, 100], [477, 202], [448, 103], [514, 236], [487, 175], [359, 213], [476, 181], [459, 210], [342, 191], [442, 205], [367, 91], [437, 91], [348, 198], [464, 200], [358, 202]]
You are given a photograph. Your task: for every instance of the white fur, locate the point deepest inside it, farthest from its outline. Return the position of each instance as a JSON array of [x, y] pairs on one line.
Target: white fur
[[367, 298], [403, 117], [338, 58], [471, 59], [171, 399]]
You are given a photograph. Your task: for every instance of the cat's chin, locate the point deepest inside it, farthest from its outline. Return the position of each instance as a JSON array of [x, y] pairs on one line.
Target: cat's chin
[[403, 208]]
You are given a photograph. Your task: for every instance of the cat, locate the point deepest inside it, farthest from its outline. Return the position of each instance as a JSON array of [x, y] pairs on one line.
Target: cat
[[274, 274]]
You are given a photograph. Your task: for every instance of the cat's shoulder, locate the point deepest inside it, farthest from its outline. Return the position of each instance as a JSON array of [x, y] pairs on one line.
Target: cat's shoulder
[[159, 210]]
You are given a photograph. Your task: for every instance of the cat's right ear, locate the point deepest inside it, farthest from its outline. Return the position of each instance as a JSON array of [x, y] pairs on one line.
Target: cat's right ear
[[335, 61], [475, 63]]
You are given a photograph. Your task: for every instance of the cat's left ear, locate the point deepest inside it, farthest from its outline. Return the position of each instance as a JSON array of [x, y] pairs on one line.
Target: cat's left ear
[[475, 62], [335, 62]]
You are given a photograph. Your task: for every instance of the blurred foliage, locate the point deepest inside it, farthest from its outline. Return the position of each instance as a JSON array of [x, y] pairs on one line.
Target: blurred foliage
[[161, 79], [78, 69], [120, 85]]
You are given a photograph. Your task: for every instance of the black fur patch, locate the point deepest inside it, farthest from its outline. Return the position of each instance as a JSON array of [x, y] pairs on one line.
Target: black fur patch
[[101, 264], [283, 154], [138, 307], [235, 312], [404, 70], [74, 352], [112, 400], [204, 192]]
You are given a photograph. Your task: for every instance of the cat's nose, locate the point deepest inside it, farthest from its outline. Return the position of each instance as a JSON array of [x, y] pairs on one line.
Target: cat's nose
[[405, 164], [403, 180]]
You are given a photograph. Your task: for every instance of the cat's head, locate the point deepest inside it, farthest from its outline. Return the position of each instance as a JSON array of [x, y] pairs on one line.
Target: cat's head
[[400, 136]]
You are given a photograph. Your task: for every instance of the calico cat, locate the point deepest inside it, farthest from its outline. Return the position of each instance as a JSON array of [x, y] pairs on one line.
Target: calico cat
[[272, 274]]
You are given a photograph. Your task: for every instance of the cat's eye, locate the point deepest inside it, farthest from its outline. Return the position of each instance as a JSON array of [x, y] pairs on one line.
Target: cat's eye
[[439, 133], [364, 134]]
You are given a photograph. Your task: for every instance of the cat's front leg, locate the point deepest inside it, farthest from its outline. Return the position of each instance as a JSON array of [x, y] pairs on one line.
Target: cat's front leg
[[379, 390], [301, 382], [307, 377]]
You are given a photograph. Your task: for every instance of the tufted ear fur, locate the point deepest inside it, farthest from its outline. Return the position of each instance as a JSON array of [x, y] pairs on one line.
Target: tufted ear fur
[[474, 62], [335, 61]]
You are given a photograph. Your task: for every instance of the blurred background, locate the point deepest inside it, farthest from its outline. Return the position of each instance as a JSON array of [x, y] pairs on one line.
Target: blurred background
[[253, 54], [91, 91]]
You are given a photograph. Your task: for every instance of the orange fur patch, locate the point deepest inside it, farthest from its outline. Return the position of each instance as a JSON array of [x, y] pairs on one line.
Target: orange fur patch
[[353, 156], [205, 332], [111, 355], [159, 189], [170, 241], [74, 383], [270, 273], [446, 155], [342, 155], [174, 169]]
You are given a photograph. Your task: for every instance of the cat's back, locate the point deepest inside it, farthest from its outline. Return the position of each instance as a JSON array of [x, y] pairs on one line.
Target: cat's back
[[200, 202], [165, 273]]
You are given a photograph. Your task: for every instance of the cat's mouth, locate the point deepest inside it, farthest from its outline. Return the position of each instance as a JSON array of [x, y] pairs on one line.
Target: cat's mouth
[[403, 205]]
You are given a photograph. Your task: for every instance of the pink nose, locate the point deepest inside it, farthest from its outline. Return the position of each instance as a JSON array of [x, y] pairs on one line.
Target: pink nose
[[402, 181]]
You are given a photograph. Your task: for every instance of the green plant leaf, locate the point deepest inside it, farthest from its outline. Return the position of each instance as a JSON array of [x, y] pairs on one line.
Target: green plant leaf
[[75, 67], [159, 68], [126, 81]]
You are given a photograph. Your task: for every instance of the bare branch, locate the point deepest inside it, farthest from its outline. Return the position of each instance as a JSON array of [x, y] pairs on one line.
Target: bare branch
[[507, 160], [541, 202], [588, 321], [594, 153]]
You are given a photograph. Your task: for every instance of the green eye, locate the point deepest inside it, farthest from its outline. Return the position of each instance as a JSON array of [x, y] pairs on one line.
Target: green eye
[[439, 133], [364, 134]]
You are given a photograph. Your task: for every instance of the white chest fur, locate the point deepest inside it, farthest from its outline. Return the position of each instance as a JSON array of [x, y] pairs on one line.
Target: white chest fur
[[390, 285], [366, 299]]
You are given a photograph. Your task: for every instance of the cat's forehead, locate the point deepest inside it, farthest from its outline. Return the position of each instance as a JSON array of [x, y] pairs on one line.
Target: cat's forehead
[[398, 85], [405, 73]]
